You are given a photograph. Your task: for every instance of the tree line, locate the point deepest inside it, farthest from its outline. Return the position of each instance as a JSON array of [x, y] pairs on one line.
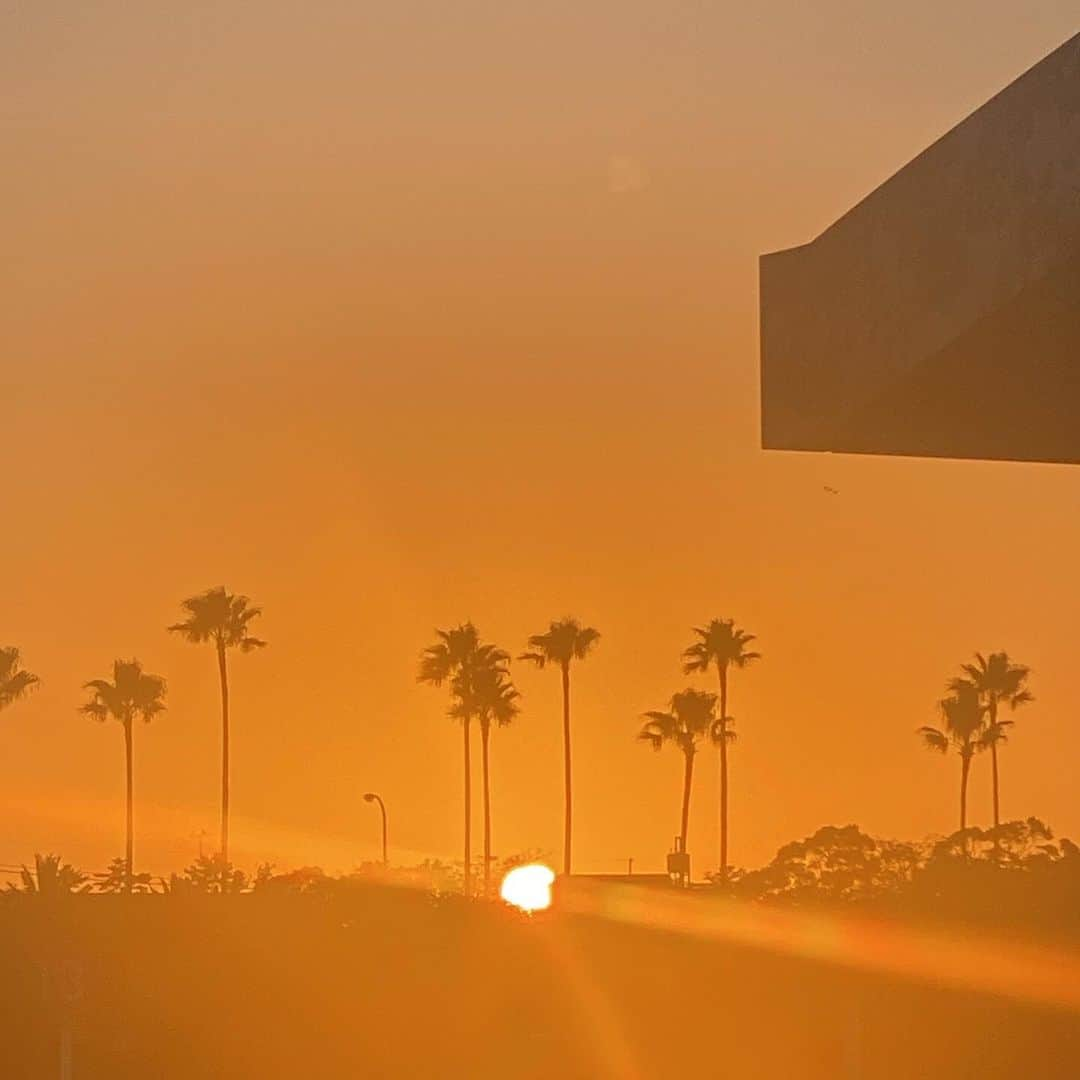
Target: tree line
[[972, 720], [483, 697], [214, 617]]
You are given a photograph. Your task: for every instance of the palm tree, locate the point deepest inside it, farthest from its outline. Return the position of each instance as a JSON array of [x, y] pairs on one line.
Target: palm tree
[[721, 645], [494, 700], [457, 658], [50, 877], [998, 681], [14, 681], [564, 642], [692, 718], [115, 879], [132, 694], [962, 717], [222, 619]]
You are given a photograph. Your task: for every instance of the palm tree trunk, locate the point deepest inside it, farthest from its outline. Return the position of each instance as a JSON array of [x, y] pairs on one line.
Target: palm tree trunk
[[994, 771], [688, 779], [468, 812], [485, 731], [223, 673], [129, 850], [964, 769], [568, 795], [723, 775]]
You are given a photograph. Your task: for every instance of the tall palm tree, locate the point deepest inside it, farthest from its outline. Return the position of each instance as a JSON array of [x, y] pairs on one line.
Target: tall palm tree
[[221, 618], [962, 715], [494, 700], [564, 642], [691, 719], [133, 694], [14, 681], [998, 682], [723, 646], [456, 658]]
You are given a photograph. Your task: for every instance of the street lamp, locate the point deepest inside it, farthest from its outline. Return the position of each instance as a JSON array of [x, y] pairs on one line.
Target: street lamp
[[370, 796]]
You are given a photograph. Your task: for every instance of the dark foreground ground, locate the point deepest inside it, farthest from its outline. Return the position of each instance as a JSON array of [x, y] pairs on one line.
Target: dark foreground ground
[[389, 983]]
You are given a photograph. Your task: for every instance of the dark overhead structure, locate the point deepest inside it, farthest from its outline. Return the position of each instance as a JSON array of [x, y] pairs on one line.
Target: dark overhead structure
[[941, 316]]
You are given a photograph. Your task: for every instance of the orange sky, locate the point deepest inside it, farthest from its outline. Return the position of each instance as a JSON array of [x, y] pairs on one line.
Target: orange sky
[[395, 315]]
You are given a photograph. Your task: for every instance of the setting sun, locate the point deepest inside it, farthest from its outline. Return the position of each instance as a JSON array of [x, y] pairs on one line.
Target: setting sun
[[528, 887]]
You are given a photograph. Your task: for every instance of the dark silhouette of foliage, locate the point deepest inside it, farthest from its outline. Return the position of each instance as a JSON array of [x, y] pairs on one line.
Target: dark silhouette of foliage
[[50, 878], [962, 717], [691, 720], [999, 683], [209, 875], [723, 646], [1019, 845], [15, 682], [837, 864], [133, 694], [564, 642], [116, 879], [457, 658], [488, 695], [304, 879], [221, 619]]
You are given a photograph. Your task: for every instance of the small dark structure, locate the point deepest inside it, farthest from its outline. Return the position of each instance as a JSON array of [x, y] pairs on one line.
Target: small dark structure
[[678, 864]]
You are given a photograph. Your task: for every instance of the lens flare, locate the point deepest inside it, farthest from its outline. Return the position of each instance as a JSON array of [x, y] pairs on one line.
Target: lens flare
[[528, 887]]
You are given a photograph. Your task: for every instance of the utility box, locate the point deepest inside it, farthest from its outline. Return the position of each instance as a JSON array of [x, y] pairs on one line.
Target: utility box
[[678, 863]]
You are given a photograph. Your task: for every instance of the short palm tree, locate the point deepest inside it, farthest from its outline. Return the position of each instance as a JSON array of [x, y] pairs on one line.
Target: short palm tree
[[494, 701], [115, 879], [962, 715], [132, 695], [14, 681], [455, 659], [221, 619], [691, 719], [723, 646], [564, 642], [999, 682], [50, 877]]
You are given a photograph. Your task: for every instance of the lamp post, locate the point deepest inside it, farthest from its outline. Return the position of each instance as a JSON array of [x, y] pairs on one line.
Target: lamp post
[[370, 796]]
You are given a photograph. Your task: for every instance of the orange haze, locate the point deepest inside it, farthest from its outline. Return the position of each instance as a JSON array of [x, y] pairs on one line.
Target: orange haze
[[392, 315]]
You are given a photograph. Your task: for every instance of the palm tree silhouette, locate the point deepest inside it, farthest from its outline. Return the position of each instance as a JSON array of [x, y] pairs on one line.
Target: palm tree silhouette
[[50, 877], [222, 619], [998, 681], [962, 717], [14, 681], [132, 694], [692, 718], [456, 658], [492, 699], [721, 645], [564, 642]]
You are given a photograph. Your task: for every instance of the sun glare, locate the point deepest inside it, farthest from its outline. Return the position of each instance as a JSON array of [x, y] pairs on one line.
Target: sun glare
[[528, 887]]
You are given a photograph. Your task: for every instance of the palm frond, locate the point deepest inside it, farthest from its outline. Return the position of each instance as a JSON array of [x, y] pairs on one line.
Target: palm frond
[[14, 681], [934, 739], [722, 644], [564, 641], [219, 616], [132, 693], [696, 658]]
